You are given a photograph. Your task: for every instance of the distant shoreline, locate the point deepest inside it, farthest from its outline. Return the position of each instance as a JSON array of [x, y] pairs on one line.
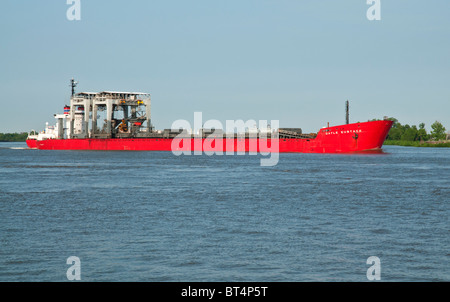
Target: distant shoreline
[[13, 137], [430, 144]]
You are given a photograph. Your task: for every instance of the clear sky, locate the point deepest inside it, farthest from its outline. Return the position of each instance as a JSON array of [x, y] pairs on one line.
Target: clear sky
[[295, 61]]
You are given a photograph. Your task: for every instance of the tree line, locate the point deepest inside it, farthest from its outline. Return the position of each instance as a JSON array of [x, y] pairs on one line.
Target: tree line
[[412, 133], [13, 137]]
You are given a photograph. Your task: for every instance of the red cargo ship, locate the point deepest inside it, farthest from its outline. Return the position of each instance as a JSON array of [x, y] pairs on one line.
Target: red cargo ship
[[367, 136], [127, 126]]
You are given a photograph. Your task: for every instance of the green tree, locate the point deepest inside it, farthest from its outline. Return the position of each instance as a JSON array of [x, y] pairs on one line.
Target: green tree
[[396, 131], [422, 133], [410, 133], [392, 119], [438, 132]]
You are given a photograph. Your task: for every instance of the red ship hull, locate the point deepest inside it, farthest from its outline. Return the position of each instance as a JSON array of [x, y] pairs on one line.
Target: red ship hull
[[336, 139], [32, 143]]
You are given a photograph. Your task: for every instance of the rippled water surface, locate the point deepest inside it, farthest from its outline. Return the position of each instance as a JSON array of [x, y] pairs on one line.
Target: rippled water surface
[[153, 216]]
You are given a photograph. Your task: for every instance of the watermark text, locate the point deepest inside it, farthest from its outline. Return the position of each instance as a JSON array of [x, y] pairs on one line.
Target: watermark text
[[240, 137], [74, 11]]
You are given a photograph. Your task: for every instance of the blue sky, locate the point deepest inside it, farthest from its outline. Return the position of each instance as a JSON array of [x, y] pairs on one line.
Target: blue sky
[[294, 61]]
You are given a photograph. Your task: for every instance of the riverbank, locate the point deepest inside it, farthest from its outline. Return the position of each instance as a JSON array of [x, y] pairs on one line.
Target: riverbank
[[417, 143]]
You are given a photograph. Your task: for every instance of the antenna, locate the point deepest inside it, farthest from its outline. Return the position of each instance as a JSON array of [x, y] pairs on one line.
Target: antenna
[[73, 84]]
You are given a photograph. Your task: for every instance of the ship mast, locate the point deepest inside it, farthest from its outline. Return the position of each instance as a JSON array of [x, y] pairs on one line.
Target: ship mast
[[346, 113], [73, 84]]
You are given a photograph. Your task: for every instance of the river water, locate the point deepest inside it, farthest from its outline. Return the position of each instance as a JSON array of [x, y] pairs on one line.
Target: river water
[[154, 216]]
